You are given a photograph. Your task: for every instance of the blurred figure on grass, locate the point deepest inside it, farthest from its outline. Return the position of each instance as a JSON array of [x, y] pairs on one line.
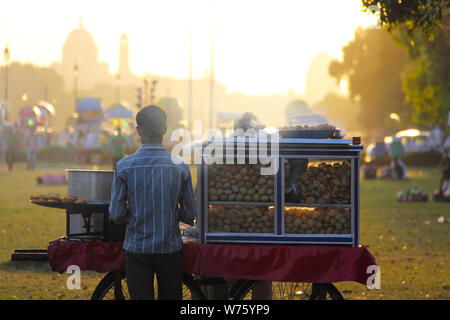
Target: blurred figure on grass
[[397, 165], [443, 194], [104, 138], [11, 145], [118, 146], [79, 147], [32, 149]]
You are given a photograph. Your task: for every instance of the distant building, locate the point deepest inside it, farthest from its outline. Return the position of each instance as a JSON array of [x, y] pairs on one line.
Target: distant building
[[124, 59], [80, 49], [319, 82]]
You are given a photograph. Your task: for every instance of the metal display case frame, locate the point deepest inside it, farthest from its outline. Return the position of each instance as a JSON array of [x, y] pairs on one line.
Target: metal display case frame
[[320, 149]]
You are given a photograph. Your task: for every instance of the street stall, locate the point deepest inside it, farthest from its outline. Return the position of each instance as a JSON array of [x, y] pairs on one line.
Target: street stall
[[44, 128], [27, 124], [313, 198], [296, 228], [120, 116], [87, 131]]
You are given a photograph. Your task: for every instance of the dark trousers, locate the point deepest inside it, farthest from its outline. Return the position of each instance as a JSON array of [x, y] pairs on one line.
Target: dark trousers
[[140, 270]]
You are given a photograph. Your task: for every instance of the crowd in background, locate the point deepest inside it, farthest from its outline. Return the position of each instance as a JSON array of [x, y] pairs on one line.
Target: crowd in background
[[90, 145]]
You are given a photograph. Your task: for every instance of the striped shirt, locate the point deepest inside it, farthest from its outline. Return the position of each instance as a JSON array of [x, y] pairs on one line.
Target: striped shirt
[[152, 195]]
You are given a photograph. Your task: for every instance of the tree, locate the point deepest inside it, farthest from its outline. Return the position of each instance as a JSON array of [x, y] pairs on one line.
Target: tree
[[37, 83], [427, 82], [419, 15], [373, 64], [423, 29]]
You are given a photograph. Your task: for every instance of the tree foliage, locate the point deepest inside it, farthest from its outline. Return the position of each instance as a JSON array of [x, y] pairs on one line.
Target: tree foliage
[[416, 15], [36, 83], [373, 64], [427, 82]]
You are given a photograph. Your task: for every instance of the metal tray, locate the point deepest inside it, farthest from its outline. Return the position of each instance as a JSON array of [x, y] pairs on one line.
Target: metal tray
[[89, 206], [310, 134]]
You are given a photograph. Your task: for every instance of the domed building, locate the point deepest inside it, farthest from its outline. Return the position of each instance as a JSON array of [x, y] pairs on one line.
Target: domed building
[[80, 50]]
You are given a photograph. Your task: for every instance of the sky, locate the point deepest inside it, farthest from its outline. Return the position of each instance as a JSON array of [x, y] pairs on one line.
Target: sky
[[260, 47]]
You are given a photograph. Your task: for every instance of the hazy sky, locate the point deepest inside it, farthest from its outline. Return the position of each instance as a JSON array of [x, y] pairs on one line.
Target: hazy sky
[[262, 46]]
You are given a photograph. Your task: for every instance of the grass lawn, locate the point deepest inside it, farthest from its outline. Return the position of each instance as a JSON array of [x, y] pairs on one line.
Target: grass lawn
[[410, 246]]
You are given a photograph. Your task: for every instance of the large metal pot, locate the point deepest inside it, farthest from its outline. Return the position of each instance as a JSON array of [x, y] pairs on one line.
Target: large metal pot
[[92, 185]]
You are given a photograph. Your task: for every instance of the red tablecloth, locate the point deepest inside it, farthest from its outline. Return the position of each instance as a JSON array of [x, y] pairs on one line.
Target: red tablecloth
[[240, 261]]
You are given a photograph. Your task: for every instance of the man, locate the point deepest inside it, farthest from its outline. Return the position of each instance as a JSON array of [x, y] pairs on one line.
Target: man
[[79, 147], [118, 146], [395, 152], [12, 143], [152, 194], [32, 149]]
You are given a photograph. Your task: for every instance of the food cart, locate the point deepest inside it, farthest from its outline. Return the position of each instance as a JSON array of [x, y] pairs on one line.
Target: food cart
[[119, 115], [313, 197], [283, 228]]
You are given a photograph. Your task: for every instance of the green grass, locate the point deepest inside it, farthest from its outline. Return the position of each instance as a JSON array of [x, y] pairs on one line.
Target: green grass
[[413, 256]]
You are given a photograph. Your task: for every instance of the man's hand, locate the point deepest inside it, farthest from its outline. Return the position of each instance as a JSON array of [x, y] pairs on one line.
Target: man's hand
[[110, 217]]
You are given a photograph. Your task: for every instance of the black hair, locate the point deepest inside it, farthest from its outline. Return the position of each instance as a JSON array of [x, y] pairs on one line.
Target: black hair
[[151, 122]]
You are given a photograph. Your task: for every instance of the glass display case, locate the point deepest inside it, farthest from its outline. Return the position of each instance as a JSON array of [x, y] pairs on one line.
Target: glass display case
[[312, 197]]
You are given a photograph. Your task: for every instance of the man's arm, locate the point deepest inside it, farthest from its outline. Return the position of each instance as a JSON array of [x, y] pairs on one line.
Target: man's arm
[[118, 208], [187, 210]]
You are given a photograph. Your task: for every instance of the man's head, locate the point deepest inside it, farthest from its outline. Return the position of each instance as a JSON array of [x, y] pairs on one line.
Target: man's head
[[151, 124]]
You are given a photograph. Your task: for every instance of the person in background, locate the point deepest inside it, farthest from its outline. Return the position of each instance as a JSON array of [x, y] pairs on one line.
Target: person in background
[[11, 144], [397, 165], [152, 192], [118, 147], [437, 136], [104, 139], [443, 194], [88, 146], [51, 179], [79, 147], [32, 149]]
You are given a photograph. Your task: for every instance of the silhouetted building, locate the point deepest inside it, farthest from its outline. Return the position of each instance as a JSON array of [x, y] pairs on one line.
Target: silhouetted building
[[124, 59], [80, 49], [318, 80]]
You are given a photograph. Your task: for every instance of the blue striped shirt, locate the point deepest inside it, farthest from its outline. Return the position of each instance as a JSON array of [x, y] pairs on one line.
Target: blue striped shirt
[[152, 195]]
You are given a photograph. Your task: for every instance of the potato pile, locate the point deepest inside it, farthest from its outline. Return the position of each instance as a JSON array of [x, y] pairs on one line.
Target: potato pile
[[326, 183], [317, 220], [238, 182], [241, 219]]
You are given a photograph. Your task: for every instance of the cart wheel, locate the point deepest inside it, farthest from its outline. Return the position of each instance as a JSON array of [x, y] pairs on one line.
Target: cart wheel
[[291, 291], [114, 287]]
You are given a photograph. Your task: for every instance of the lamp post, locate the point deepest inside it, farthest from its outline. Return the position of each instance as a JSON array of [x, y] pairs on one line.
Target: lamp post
[[146, 95], [6, 58], [75, 84]]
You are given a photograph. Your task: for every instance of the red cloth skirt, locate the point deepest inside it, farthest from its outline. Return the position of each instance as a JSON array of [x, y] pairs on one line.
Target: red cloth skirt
[[297, 263]]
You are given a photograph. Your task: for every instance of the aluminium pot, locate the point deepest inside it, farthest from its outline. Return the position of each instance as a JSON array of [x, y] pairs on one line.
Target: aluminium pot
[[92, 185]]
